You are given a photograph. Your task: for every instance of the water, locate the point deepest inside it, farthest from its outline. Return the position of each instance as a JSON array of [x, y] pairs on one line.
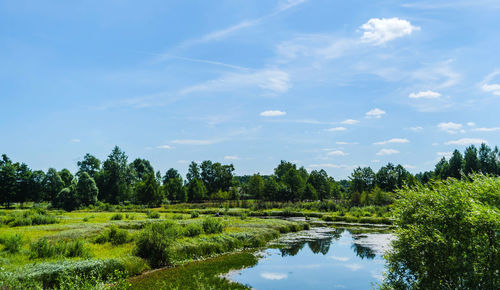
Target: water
[[321, 258]]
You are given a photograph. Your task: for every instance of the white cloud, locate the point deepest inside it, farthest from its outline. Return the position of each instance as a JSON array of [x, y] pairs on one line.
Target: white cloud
[[164, 147], [415, 129], [471, 124], [378, 31], [269, 80], [329, 165], [393, 140], [446, 155], [425, 95], [407, 166], [375, 161], [272, 113], [488, 86], [346, 143], [196, 141], [439, 75], [336, 129], [383, 152], [353, 267], [273, 276], [492, 129], [337, 153], [75, 140], [231, 157], [341, 259], [182, 161], [375, 113], [349, 122], [466, 141], [450, 127]]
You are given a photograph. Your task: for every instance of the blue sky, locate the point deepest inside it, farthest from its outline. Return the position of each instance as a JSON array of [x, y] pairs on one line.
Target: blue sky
[[326, 84]]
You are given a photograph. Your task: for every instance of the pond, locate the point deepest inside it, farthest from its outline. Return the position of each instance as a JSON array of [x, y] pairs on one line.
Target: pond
[[320, 258]]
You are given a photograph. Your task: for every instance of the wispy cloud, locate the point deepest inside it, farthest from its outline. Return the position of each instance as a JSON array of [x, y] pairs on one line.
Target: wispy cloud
[[378, 31], [425, 95], [335, 129], [349, 122], [393, 140], [346, 143], [337, 153], [272, 113], [375, 113], [484, 129], [415, 129], [450, 127], [488, 86], [75, 140], [384, 152], [273, 276], [467, 141], [269, 80], [341, 259], [196, 141], [168, 147], [231, 157], [446, 155]]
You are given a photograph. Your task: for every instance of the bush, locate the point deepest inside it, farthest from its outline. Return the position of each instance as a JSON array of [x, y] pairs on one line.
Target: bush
[[117, 217], [153, 214], [28, 218], [76, 249], [193, 230], [43, 248], [212, 226], [114, 235], [195, 214], [154, 243], [12, 243]]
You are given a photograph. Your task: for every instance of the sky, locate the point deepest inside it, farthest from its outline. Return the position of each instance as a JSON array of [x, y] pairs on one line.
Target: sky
[[325, 84]]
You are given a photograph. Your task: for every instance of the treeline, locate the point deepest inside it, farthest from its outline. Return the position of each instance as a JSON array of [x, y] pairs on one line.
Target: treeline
[[116, 181]]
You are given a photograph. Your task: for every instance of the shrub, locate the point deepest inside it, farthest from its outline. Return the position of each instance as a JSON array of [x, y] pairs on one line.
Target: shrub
[[76, 249], [117, 217], [178, 217], [12, 243], [28, 218], [193, 230], [212, 226], [195, 214], [154, 243], [153, 214], [243, 216], [114, 235], [43, 248]]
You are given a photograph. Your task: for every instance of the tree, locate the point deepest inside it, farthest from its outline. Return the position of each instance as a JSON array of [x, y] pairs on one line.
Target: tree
[[148, 191], [271, 189], [173, 185], [309, 193], [86, 189], [216, 177], [455, 165], [294, 183], [66, 177], [321, 183], [196, 190], [442, 169], [67, 198], [447, 236], [116, 179], [141, 169], [52, 184], [36, 186], [362, 179], [8, 181], [283, 168], [471, 162], [256, 186], [193, 172], [23, 176], [89, 164]]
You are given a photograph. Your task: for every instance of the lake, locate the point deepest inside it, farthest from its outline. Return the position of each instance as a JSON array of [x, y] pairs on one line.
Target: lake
[[320, 258]]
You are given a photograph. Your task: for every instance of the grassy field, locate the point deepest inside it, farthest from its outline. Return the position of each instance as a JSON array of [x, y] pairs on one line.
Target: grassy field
[[53, 248]]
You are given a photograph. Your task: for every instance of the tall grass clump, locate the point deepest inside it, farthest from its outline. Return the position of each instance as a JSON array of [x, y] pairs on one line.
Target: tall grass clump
[[193, 230], [154, 243], [29, 218], [153, 214], [43, 248], [12, 243], [195, 214], [113, 235], [117, 217], [212, 226]]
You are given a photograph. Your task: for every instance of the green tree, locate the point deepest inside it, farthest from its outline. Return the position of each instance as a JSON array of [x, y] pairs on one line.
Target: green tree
[[67, 198], [8, 181], [362, 179], [271, 189], [442, 169], [294, 183], [86, 189], [196, 190], [193, 172], [455, 165], [216, 177], [89, 164], [141, 169], [23, 177], [52, 184], [36, 186], [321, 183], [149, 192], [471, 162], [66, 177], [116, 178], [309, 193], [447, 236], [256, 186], [173, 186]]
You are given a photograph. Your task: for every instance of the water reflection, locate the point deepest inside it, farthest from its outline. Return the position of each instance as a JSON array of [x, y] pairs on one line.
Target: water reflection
[[333, 258]]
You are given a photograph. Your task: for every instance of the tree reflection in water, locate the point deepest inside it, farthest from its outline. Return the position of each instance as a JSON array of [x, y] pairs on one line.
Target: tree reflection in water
[[363, 252], [317, 245]]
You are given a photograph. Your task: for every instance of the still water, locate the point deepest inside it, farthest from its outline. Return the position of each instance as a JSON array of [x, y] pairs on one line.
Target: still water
[[320, 258]]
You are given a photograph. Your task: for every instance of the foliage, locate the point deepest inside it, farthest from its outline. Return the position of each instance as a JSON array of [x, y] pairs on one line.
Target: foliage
[[155, 243], [193, 230], [151, 214], [148, 191], [43, 248], [447, 236], [12, 243], [195, 214], [113, 235], [212, 226], [116, 217], [28, 218]]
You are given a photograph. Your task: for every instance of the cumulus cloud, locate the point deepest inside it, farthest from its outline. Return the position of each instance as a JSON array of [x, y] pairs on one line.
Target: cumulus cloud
[[272, 113], [466, 141], [375, 113], [336, 129], [393, 140], [378, 31], [425, 95], [164, 147], [196, 141], [383, 152], [450, 127], [349, 122], [231, 157], [337, 153]]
